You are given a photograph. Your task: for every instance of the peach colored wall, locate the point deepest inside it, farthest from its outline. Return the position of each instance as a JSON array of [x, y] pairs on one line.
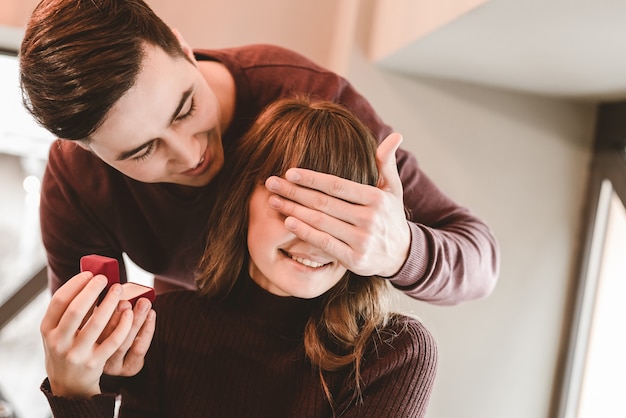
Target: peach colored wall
[[305, 26], [313, 28], [399, 22], [16, 12]]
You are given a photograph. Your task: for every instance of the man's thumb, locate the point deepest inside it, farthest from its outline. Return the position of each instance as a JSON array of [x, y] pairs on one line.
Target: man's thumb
[[386, 162]]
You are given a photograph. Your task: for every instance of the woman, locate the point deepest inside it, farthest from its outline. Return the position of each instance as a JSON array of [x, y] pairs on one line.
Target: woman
[[277, 327]]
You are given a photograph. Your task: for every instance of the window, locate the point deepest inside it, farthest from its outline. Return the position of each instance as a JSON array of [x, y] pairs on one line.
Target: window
[[596, 364], [23, 151], [19, 134], [602, 387]]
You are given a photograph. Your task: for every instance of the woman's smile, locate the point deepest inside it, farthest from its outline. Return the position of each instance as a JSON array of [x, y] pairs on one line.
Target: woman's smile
[[308, 262]]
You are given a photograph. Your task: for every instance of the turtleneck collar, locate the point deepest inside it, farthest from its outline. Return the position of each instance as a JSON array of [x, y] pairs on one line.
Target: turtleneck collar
[[285, 314]]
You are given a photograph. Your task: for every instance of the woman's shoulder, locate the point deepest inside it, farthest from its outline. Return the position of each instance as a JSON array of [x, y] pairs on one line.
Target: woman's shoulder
[[399, 369], [406, 339], [407, 327]]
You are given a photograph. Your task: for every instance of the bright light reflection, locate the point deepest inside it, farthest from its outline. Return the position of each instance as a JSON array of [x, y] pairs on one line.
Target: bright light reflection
[[31, 184]]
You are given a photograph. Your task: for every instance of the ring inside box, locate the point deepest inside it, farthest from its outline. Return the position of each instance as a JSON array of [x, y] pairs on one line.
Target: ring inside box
[[109, 267], [133, 291]]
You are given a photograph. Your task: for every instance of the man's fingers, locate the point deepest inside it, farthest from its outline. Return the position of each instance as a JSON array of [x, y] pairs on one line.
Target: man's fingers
[[316, 210], [128, 358], [338, 187], [144, 336], [304, 186], [320, 239], [110, 344], [348, 226], [136, 354], [115, 318], [140, 312]]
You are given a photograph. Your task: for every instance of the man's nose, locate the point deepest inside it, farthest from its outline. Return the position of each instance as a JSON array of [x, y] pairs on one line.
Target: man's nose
[[184, 150]]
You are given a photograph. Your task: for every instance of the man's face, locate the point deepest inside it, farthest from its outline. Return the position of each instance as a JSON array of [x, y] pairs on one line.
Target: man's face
[[165, 128], [280, 262]]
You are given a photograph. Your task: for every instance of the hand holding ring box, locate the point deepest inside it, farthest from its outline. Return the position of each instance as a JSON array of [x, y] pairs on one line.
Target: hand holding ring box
[[109, 267]]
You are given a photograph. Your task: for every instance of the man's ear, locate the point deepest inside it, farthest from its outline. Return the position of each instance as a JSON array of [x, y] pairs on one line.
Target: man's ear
[[184, 45]]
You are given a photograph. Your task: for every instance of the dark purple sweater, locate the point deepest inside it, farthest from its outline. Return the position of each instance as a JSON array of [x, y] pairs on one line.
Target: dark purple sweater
[[244, 357]]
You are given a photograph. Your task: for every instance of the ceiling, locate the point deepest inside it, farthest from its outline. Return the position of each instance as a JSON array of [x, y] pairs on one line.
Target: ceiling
[[574, 49]]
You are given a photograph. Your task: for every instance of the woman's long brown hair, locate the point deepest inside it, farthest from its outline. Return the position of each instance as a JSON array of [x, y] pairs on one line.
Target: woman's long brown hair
[[321, 136]]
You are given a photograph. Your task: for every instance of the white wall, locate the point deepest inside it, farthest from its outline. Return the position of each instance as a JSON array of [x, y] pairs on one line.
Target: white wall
[[519, 162]]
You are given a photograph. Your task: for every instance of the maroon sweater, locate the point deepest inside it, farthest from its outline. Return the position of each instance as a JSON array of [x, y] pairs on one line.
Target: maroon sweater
[[89, 208], [244, 357]]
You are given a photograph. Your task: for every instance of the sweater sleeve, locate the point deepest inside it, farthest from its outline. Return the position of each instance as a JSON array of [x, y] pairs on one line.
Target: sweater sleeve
[[398, 376], [99, 406], [138, 399], [454, 256]]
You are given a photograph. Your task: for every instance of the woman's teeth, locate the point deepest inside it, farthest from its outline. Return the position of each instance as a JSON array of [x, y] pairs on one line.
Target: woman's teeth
[[306, 262]]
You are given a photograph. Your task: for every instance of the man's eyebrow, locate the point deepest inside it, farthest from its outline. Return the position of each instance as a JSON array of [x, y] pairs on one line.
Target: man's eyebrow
[[127, 154], [183, 99]]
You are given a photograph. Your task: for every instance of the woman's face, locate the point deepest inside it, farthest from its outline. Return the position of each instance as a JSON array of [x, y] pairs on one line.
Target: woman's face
[[279, 261], [166, 128]]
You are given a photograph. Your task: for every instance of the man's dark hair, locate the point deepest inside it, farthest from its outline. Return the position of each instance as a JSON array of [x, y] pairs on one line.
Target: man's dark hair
[[79, 57]]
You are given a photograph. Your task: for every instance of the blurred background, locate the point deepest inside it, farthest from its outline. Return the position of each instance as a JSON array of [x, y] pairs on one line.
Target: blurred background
[[507, 105]]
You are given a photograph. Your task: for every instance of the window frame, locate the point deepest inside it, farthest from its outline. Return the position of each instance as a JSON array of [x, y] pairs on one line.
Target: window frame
[[607, 177]]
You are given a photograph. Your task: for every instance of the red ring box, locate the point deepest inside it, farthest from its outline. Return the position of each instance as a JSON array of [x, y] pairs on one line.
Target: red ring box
[[109, 267]]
